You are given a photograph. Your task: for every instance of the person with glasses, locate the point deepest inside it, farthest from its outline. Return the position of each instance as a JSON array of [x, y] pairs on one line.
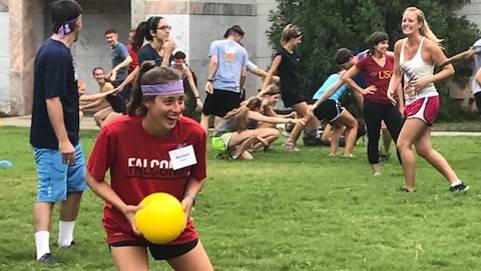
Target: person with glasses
[[159, 49]]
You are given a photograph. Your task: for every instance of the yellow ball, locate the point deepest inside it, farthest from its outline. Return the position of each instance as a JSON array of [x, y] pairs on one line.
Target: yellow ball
[[161, 218]]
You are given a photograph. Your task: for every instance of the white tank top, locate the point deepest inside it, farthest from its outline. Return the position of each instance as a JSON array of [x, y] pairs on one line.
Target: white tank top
[[413, 69]]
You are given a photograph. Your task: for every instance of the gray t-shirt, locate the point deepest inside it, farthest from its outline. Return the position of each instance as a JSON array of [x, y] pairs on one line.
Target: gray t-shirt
[[119, 53], [225, 126], [231, 58]]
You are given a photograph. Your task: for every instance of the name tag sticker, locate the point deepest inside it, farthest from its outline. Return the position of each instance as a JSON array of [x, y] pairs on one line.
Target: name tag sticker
[[182, 157]]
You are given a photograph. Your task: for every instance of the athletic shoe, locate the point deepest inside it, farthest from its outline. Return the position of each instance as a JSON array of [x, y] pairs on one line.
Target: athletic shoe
[[289, 146], [404, 189], [48, 258], [72, 245], [376, 174], [384, 157], [312, 141], [459, 188]]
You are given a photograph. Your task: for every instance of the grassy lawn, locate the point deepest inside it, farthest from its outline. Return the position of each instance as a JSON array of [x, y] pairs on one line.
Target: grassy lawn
[[464, 126], [282, 211]]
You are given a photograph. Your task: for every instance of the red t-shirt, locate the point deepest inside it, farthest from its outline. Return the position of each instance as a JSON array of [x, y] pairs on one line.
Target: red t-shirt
[[140, 165], [135, 58], [378, 76]]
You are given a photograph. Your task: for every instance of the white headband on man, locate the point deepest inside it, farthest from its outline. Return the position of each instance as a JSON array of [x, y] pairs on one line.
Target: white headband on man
[[171, 88], [64, 29]]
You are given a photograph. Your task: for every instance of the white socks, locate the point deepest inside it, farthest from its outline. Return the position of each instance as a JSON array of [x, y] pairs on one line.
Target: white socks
[[41, 243], [65, 233]]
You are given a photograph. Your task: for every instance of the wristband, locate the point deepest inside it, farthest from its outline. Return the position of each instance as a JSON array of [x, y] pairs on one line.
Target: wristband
[[209, 80], [197, 97]]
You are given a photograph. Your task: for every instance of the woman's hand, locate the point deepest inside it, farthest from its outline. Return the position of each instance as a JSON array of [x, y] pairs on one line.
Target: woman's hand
[[129, 212], [369, 90], [169, 47], [198, 104], [187, 204], [390, 97], [298, 121], [419, 83]]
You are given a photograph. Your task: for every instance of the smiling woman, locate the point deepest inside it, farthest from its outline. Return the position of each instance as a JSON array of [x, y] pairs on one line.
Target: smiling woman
[[139, 151]]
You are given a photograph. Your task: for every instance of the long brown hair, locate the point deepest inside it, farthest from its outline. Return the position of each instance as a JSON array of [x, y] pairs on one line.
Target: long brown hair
[[150, 73], [240, 115]]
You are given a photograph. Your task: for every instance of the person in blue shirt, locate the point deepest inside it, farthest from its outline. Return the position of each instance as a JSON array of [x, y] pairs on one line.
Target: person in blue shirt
[[120, 60], [328, 107]]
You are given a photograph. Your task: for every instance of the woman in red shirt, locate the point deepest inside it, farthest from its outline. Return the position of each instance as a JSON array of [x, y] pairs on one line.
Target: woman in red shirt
[[376, 68], [136, 150]]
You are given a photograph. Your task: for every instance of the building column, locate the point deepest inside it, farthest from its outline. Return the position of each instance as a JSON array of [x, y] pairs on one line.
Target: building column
[[22, 53]]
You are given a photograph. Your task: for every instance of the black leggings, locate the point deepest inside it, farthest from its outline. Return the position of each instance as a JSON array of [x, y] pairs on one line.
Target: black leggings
[[373, 114]]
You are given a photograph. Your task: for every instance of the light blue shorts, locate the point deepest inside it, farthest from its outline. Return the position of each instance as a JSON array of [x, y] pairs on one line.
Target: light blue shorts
[[56, 179]]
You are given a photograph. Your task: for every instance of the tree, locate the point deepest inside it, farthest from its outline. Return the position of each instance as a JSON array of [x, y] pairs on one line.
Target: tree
[[331, 24]]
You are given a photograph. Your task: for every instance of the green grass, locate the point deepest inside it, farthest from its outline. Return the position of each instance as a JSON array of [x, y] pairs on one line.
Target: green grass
[[464, 126], [283, 211]]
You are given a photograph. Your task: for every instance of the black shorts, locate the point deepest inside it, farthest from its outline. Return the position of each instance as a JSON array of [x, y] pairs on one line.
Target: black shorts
[[329, 110], [477, 98], [290, 98], [161, 252], [221, 102], [117, 103]]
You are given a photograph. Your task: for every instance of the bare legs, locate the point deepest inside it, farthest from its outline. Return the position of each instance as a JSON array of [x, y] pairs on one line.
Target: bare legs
[[133, 258], [302, 112], [347, 120], [416, 132]]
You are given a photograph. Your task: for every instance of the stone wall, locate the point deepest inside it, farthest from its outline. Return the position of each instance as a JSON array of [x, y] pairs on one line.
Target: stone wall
[[4, 57], [91, 49]]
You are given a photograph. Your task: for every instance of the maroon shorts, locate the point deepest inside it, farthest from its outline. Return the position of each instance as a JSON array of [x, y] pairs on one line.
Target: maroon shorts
[[425, 109]]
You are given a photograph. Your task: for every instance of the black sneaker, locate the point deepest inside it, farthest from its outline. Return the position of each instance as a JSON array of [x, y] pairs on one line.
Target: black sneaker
[[384, 157], [71, 245], [459, 188], [312, 141], [48, 258]]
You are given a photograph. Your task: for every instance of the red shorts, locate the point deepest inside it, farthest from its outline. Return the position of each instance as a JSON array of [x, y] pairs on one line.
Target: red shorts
[[425, 109]]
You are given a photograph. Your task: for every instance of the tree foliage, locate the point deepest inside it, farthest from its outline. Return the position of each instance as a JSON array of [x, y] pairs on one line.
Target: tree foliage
[[331, 24]]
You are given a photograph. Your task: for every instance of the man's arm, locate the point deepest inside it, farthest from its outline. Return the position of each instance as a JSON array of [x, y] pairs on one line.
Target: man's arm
[[124, 63], [212, 69], [56, 117]]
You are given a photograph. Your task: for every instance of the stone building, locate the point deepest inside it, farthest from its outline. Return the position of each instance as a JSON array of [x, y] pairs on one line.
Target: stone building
[[25, 24]]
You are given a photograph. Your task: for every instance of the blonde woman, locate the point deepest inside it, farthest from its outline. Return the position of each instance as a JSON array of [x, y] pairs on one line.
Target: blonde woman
[[415, 57]]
